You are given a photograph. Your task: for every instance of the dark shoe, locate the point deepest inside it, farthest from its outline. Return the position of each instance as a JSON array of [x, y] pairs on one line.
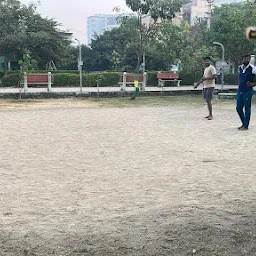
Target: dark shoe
[[243, 129]]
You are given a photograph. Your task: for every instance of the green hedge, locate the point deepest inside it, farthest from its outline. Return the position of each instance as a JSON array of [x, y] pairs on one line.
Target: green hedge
[[65, 80], [89, 80], [11, 80], [152, 78], [72, 79], [231, 79]]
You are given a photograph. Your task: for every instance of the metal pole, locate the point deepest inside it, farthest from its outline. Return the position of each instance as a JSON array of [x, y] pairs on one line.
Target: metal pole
[[144, 62], [80, 65], [124, 82], [49, 81], [144, 71], [223, 60], [210, 3], [25, 82]]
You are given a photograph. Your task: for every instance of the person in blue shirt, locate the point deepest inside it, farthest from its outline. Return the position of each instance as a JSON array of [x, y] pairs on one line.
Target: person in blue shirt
[[245, 92]]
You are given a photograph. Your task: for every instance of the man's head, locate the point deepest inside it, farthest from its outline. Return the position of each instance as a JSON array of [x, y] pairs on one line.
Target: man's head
[[246, 59], [207, 61]]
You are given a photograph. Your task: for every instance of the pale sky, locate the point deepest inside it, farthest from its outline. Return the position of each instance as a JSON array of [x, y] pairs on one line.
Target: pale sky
[[73, 13]]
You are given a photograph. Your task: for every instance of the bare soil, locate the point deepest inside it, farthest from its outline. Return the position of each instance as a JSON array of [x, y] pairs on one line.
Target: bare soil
[[115, 177]]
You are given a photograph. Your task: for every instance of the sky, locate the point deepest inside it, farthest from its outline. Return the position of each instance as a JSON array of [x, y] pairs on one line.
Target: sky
[[72, 14]]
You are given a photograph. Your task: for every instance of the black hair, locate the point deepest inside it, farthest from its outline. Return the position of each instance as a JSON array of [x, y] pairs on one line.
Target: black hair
[[207, 58], [247, 56]]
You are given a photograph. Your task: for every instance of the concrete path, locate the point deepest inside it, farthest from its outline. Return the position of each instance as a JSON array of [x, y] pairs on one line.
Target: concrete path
[[108, 89]]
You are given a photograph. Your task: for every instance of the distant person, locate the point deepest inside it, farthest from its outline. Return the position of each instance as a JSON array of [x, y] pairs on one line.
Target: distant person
[[245, 92], [208, 80]]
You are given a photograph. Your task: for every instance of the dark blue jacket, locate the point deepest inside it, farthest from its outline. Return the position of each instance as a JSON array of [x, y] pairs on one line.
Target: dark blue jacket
[[246, 74]]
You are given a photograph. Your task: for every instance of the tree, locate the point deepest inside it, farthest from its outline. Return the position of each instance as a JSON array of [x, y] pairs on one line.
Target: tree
[[228, 27], [158, 10], [45, 40], [195, 48], [166, 46], [11, 32], [22, 29]]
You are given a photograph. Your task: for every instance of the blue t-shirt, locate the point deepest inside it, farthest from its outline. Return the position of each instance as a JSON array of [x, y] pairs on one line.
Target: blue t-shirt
[[246, 74]]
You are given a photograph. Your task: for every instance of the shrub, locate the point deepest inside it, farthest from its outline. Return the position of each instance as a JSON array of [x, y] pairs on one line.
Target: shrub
[[231, 79], [109, 78], [72, 78], [11, 80], [152, 78], [67, 79]]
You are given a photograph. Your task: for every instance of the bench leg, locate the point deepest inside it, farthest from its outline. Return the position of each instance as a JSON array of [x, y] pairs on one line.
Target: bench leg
[[178, 83]]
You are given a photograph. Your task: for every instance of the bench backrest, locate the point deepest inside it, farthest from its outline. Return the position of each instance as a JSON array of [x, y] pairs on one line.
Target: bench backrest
[[38, 78], [167, 76], [130, 78]]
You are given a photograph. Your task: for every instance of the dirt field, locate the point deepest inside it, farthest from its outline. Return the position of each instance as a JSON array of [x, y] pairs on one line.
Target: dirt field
[[150, 177]]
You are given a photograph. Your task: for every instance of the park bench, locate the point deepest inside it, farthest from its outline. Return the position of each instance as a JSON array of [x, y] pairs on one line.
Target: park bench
[[38, 80], [227, 95], [128, 80], [168, 77]]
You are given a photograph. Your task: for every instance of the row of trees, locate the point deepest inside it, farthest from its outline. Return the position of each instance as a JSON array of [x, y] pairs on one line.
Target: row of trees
[[23, 30], [166, 43]]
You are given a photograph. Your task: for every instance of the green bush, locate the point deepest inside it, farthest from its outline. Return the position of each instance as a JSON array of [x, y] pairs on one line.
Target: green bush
[[109, 78], [152, 78], [72, 79], [11, 80], [231, 79], [189, 78], [67, 79]]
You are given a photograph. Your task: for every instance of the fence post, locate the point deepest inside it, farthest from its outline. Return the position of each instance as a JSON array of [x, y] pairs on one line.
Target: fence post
[[49, 81], [144, 84], [25, 82], [123, 88]]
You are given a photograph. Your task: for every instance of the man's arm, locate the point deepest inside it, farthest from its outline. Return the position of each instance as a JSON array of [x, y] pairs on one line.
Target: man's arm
[[206, 78], [251, 84], [199, 82]]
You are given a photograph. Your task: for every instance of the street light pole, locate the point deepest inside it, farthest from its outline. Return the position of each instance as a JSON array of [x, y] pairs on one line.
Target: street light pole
[[209, 14], [223, 60], [80, 65]]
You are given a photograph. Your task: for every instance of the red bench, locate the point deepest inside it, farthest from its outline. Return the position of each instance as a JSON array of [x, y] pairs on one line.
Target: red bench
[[38, 79], [171, 77], [130, 79]]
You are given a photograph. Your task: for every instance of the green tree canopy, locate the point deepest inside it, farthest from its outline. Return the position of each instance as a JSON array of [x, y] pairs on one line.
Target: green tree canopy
[[23, 29]]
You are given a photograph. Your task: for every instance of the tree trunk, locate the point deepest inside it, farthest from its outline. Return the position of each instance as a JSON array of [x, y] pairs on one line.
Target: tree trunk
[[5, 65]]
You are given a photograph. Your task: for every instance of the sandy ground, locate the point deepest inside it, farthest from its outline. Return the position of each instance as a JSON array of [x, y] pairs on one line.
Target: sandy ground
[[85, 179]]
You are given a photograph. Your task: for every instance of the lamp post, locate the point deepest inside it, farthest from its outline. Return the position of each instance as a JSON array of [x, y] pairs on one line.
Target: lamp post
[[80, 65], [210, 4], [223, 60]]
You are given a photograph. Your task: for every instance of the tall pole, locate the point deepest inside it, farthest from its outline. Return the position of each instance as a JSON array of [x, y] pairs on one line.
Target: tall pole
[[80, 65], [210, 4], [223, 60], [144, 62]]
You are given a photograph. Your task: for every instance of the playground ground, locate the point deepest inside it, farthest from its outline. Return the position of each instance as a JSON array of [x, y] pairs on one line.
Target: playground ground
[[119, 177]]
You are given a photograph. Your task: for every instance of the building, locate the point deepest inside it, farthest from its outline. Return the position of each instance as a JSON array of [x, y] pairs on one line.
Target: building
[[198, 10], [98, 24]]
